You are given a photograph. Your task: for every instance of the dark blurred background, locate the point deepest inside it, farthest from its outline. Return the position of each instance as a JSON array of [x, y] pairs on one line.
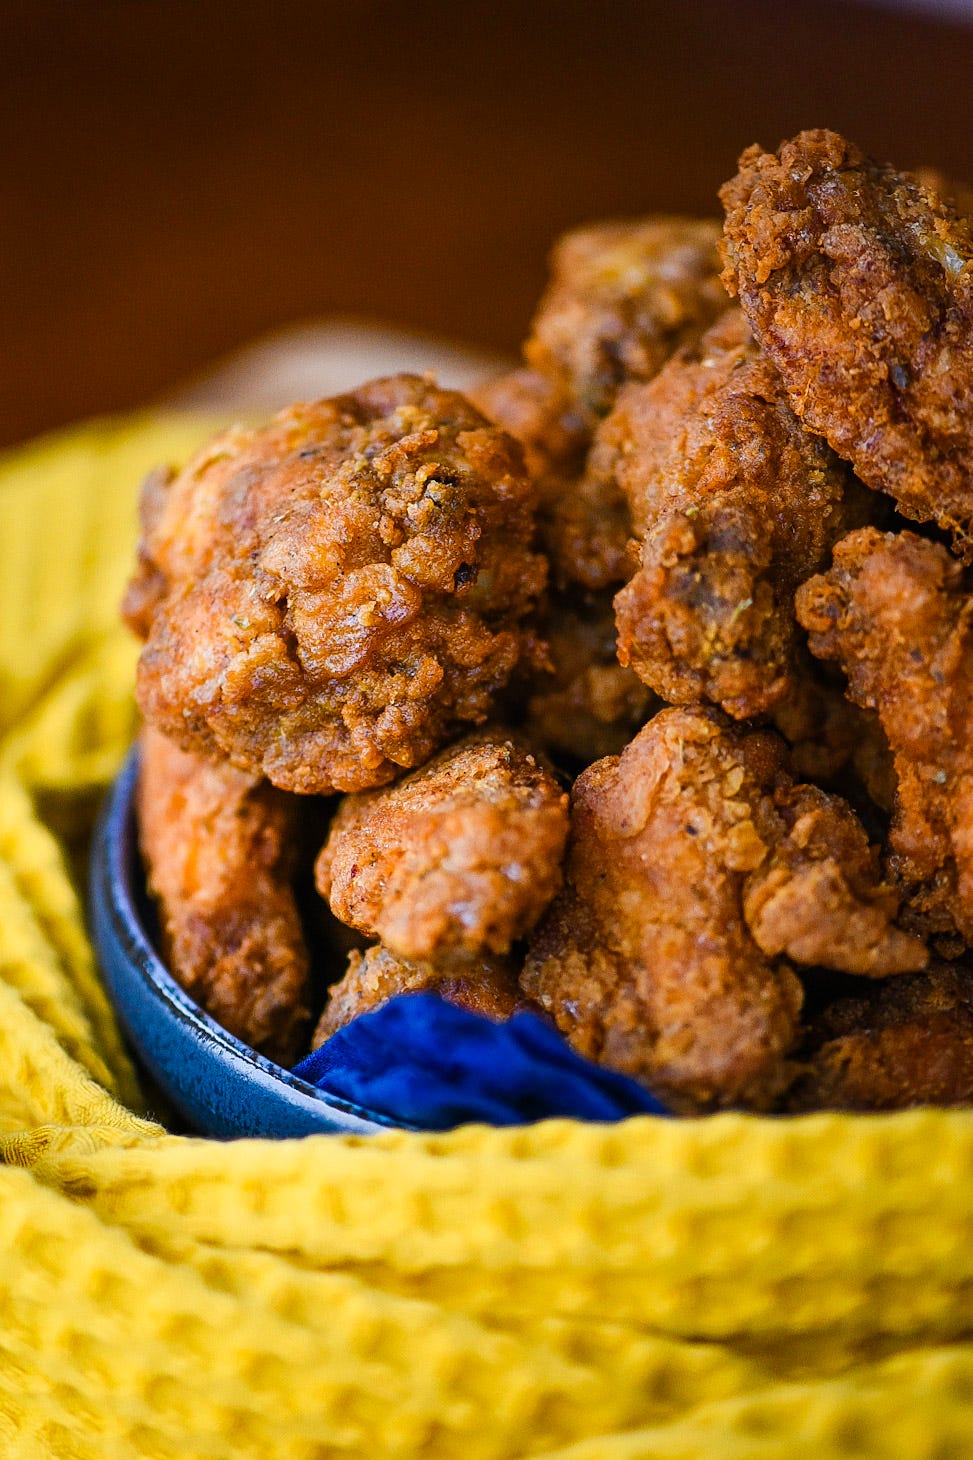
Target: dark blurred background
[[177, 175]]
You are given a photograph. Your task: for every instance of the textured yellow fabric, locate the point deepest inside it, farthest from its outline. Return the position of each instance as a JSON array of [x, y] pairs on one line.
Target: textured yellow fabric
[[721, 1288]]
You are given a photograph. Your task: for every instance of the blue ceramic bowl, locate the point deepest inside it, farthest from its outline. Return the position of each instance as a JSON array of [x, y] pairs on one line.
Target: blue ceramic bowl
[[216, 1082]]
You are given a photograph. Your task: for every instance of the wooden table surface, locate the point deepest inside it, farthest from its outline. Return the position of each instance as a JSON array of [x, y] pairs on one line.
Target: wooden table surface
[[177, 175]]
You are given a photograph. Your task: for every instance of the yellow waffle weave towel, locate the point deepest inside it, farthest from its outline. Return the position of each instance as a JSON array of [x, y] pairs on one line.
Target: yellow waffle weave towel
[[720, 1288]]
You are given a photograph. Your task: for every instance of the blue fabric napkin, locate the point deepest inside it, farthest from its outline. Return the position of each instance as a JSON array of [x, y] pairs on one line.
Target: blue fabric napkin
[[423, 1061]]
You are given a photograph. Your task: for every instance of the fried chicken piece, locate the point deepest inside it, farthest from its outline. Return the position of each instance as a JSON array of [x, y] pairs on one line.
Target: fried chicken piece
[[830, 738], [646, 959], [902, 1042], [585, 529], [484, 985], [821, 860], [220, 849], [330, 598], [582, 521], [958, 195], [858, 284], [586, 706], [736, 505], [621, 298], [458, 858], [148, 585], [535, 410], [448, 867], [895, 613]]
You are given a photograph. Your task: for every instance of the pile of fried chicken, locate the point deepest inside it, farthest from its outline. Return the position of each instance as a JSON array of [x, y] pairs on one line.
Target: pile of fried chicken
[[636, 688]]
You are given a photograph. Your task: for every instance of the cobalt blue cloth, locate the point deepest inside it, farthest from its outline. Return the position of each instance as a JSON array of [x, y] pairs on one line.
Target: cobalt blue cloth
[[423, 1061]]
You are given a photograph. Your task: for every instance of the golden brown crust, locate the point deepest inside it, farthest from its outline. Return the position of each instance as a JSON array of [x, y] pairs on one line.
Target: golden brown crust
[[148, 586], [533, 409], [858, 284], [458, 858], [830, 737], [485, 985], [819, 896], [621, 298], [219, 847], [817, 723], [895, 613], [956, 194], [736, 505], [902, 1043], [586, 532], [346, 588], [646, 959], [582, 520], [585, 706]]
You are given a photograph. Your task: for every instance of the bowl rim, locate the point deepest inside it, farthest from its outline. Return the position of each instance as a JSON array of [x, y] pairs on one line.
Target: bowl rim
[[115, 864]]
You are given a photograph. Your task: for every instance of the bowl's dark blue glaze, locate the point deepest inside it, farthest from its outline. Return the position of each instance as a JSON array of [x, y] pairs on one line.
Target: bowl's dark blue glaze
[[216, 1082]]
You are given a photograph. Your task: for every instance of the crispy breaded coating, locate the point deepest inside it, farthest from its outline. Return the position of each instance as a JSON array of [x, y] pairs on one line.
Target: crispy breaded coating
[[641, 445], [895, 613], [646, 959], [582, 520], [858, 285], [621, 298], [586, 705], [458, 858], [148, 585], [535, 410], [830, 737], [904, 1042], [736, 505], [486, 984], [821, 860], [341, 591], [585, 530], [957, 194], [220, 849]]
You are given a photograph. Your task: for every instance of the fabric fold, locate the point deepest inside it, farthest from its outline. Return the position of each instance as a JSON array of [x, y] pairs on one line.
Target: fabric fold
[[422, 1061], [730, 1286]]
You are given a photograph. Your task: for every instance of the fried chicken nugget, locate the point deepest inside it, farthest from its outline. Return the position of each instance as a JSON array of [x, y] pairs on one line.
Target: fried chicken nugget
[[736, 505], [819, 895], [220, 849], [832, 740], [902, 1042], [621, 298], [895, 613], [459, 858], [539, 413], [582, 521], [484, 985], [330, 598], [646, 959], [957, 194], [858, 284], [585, 706]]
